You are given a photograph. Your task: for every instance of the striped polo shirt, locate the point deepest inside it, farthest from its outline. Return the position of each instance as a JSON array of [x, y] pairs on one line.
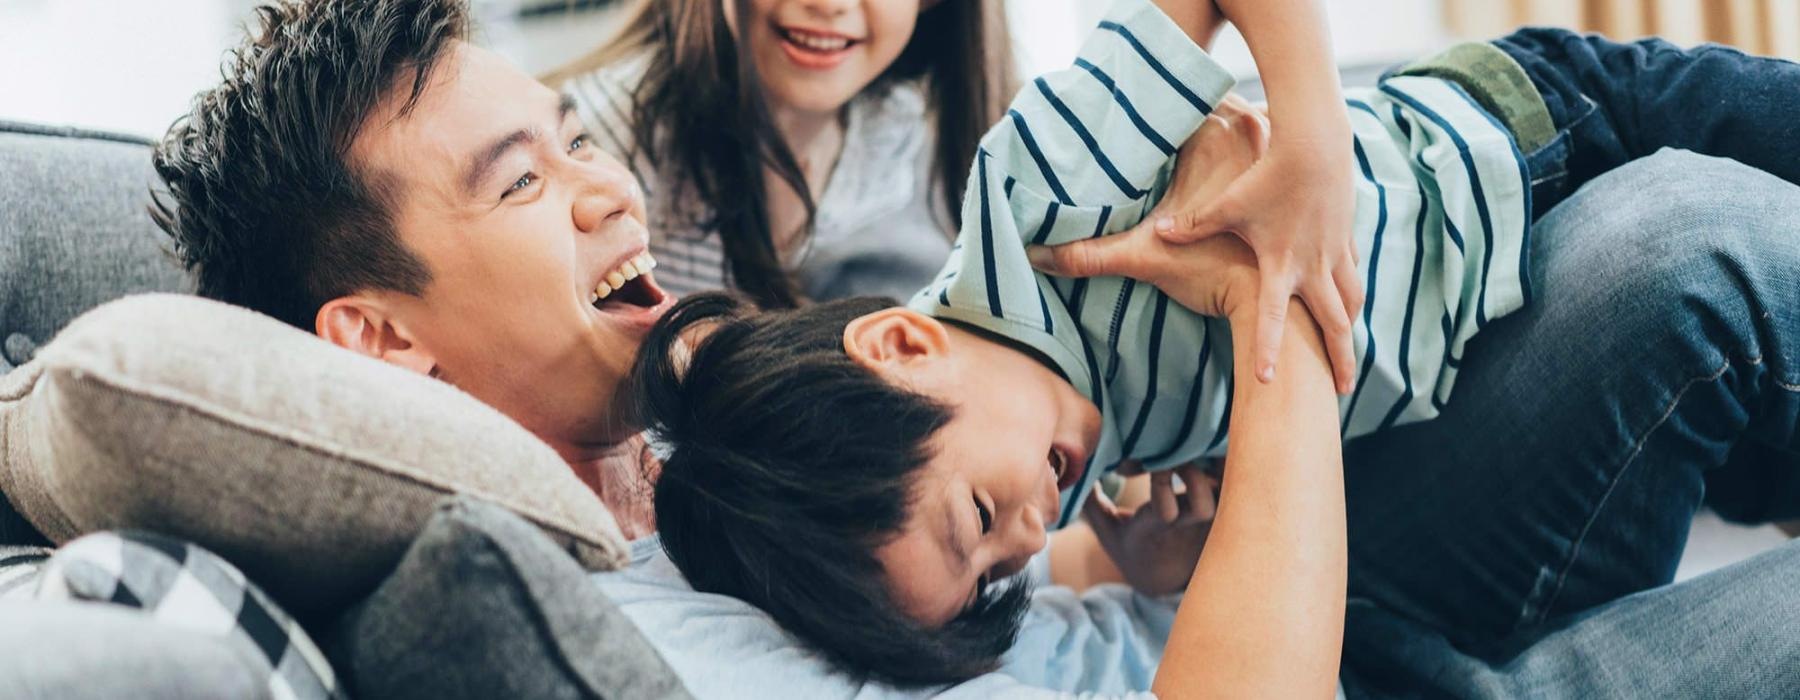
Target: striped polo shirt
[[1441, 225]]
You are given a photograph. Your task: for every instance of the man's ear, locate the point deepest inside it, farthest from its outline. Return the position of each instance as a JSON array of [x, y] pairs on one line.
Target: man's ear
[[896, 341], [363, 324]]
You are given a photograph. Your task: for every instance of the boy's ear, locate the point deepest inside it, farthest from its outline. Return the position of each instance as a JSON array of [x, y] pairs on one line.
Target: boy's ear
[[363, 324], [895, 340]]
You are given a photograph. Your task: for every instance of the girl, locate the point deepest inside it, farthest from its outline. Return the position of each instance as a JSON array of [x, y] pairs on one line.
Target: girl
[[787, 151], [797, 149]]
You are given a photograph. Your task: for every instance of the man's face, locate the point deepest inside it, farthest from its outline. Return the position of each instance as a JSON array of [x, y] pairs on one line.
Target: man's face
[[521, 220]]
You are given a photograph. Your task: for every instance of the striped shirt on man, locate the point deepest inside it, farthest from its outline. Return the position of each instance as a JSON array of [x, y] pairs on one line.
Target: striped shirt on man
[[1443, 215]]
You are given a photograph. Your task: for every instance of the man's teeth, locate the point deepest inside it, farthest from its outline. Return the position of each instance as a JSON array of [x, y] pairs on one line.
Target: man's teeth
[[616, 279], [818, 43]]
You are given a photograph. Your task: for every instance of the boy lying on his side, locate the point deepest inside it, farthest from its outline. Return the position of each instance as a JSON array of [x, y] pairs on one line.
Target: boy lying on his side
[[863, 471]]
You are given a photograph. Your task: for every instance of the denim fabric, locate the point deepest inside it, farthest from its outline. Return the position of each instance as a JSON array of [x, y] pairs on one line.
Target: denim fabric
[[1493, 550], [1614, 102]]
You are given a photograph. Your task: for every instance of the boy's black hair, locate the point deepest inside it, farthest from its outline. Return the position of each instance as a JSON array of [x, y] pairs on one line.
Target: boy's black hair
[[789, 464], [262, 199]]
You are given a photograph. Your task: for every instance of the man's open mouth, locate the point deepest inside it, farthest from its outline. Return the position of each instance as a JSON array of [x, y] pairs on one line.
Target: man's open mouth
[[628, 287]]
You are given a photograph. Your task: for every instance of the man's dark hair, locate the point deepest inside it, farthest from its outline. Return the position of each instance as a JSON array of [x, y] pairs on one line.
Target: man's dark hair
[[263, 201], [789, 464]]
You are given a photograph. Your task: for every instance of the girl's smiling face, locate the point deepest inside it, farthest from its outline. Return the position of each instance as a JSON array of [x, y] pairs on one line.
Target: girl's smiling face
[[815, 55]]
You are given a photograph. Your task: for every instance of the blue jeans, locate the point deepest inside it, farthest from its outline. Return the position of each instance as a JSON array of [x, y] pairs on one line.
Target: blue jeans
[[1523, 542], [1613, 103]]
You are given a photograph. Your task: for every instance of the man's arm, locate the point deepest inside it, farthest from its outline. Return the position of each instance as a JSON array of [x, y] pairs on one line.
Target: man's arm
[[1264, 613]]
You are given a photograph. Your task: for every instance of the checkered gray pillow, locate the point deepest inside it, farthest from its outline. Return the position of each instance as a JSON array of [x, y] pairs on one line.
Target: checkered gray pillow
[[184, 586], [19, 568]]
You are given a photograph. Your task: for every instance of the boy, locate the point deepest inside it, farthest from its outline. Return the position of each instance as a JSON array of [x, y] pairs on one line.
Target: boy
[[993, 403]]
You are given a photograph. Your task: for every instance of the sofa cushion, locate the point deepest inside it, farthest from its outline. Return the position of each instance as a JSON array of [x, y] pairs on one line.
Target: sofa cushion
[[74, 230], [484, 606], [308, 466]]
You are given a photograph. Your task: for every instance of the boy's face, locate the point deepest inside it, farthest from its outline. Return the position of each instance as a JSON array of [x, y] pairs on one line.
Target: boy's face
[[519, 218], [983, 505]]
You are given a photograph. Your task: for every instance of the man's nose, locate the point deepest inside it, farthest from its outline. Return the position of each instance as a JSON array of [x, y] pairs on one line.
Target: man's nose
[[605, 192]]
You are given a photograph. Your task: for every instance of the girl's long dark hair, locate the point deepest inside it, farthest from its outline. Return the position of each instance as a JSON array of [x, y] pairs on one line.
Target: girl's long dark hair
[[700, 114]]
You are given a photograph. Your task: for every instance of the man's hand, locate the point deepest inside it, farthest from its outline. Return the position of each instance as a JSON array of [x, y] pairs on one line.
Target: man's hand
[[1211, 276], [1156, 545]]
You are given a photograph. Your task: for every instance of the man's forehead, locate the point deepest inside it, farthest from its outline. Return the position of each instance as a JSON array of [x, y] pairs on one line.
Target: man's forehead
[[472, 96]]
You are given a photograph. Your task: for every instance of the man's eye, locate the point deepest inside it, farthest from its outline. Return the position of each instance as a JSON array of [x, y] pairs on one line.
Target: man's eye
[[523, 182], [987, 518]]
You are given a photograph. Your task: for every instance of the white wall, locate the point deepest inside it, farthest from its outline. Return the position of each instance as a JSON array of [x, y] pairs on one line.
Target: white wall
[[1048, 32], [132, 66]]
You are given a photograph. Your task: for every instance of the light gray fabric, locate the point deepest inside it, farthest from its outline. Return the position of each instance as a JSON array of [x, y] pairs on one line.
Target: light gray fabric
[[484, 606], [74, 231], [83, 651], [308, 466]]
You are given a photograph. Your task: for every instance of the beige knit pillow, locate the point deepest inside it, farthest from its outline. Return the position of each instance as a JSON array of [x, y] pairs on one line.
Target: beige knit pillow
[[308, 466]]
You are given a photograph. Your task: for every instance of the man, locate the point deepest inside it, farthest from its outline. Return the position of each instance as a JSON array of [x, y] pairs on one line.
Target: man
[[366, 174]]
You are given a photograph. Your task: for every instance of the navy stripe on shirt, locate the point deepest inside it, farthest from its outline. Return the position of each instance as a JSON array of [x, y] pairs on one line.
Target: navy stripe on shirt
[[1037, 156], [1525, 178], [1481, 204], [1131, 112], [1156, 335], [1406, 336], [1362, 377], [987, 238], [1176, 84], [1087, 139], [1196, 389]]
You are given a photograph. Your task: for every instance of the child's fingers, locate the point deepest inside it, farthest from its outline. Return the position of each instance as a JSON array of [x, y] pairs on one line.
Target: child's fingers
[[1162, 496], [1271, 320], [1321, 297], [1106, 255], [1197, 224], [1129, 468], [1101, 513], [1202, 503]]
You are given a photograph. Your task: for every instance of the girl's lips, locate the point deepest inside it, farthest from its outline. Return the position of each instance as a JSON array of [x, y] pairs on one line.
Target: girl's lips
[[814, 50]]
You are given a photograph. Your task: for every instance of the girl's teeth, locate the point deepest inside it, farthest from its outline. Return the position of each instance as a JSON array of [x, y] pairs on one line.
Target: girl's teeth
[[615, 279], [645, 263], [629, 269], [603, 291], [818, 43]]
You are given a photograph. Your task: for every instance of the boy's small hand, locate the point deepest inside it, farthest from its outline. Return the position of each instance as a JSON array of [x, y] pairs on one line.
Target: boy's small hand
[[1295, 207], [1156, 545]]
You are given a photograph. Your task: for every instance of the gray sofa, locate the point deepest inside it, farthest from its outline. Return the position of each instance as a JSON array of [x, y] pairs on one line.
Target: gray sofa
[[482, 605], [74, 233]]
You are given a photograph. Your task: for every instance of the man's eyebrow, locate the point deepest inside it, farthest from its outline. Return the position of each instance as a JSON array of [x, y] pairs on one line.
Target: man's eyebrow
[[483, 163]]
